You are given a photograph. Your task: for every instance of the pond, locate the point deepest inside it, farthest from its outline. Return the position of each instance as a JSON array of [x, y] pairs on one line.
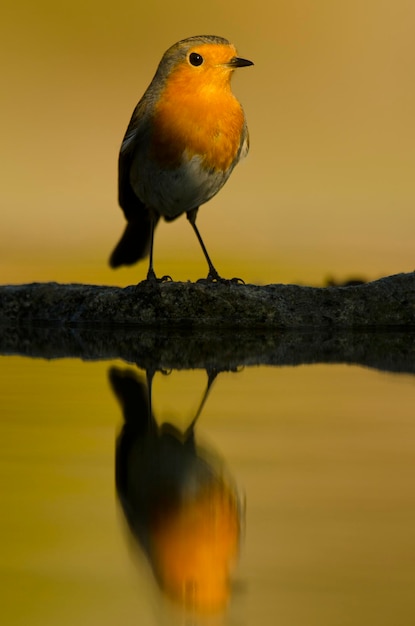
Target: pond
[[179, 480]]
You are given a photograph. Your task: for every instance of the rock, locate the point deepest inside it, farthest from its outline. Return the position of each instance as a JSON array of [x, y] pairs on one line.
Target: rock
[[214, 326], [385, 303]]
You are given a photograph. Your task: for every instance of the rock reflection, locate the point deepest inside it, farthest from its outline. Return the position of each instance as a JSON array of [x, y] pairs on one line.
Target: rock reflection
[[180, 504]]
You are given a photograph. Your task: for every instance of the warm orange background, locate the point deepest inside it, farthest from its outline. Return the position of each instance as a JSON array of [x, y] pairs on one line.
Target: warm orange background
[[328, 187]]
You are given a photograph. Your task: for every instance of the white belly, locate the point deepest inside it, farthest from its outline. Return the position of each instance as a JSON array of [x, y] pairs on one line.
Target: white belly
[[171, 192]]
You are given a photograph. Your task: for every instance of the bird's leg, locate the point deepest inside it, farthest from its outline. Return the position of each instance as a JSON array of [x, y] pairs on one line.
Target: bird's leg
[[213, 274], [151, 276], [150, 375], [212, 374]]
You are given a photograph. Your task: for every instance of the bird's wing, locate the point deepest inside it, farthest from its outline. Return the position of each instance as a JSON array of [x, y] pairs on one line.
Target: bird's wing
[[244, 146], [135, 241], [135, 132]]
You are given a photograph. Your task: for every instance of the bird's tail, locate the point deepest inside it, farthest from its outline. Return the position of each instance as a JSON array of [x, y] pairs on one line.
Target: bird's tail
[[134, 244]]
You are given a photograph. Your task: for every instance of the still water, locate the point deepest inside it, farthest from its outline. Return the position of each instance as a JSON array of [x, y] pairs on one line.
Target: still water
[[263, 495]]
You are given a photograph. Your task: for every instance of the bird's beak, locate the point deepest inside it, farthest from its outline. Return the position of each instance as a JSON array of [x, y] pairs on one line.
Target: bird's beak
[[238, 62]]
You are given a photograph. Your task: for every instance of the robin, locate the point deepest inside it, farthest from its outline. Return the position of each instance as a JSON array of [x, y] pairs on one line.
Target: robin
[[184, 138], [179, 500]]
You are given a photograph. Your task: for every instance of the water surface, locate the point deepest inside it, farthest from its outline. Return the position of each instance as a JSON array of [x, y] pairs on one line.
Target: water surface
[[308, 473]]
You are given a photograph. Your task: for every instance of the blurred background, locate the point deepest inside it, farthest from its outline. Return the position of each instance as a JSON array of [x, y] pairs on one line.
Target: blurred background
[[327, 190]]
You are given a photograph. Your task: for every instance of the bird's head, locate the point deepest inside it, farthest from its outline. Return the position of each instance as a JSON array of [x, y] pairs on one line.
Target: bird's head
[[200, 63]]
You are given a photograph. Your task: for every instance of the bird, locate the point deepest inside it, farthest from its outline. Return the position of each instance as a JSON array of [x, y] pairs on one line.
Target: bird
[[181, 504], [185, 137]]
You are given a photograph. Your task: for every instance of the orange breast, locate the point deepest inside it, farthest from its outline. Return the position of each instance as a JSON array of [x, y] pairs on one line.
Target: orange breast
[[195, 547], [197, 118]]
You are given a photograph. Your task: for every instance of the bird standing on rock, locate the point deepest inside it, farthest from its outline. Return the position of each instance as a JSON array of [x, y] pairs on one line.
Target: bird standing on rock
[[185, 136]]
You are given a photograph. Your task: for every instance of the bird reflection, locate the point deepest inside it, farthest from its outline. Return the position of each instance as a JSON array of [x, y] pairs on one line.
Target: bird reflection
[[179, 502]]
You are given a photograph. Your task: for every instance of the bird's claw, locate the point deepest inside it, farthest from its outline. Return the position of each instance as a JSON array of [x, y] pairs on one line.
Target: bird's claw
[[152, 280], [215, 278]]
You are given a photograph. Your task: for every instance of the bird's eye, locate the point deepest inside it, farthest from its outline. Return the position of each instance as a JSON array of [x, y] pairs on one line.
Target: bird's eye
[[195, 58]]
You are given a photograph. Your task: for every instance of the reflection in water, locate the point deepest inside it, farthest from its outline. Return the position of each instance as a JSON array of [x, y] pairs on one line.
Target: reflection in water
[[180, 504]]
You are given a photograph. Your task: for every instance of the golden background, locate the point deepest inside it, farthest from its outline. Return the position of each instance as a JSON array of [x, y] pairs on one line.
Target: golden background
[[328, 188]]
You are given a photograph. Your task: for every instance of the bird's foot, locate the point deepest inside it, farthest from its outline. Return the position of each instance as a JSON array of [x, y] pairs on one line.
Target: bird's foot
[[213, 277], [165, 279], [236, 281], [152, 279]]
